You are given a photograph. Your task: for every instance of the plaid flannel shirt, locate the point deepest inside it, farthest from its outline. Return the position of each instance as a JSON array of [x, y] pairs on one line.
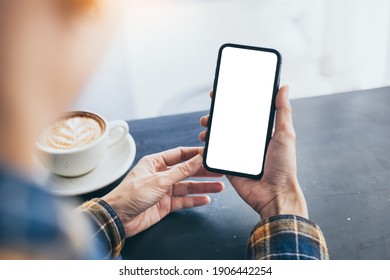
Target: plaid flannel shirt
[[280, 237], [35, 224], [108, 227], [287, 237]]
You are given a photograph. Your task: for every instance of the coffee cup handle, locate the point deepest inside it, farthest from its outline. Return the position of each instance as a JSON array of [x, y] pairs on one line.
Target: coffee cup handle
[[117, 130]]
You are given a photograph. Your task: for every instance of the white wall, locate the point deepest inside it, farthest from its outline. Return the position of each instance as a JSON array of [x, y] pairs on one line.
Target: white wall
[[356, 49], [109, 91], [167, 50]]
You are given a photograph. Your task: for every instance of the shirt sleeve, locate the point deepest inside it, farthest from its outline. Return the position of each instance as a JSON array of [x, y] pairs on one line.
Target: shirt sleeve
[[108, 228], [287, 237]]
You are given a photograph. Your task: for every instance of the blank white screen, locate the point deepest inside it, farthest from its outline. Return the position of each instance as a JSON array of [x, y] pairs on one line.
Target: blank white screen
[[241, 110]]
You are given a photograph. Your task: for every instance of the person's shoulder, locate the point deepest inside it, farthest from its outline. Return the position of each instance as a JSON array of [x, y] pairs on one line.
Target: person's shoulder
[[36, 224], [27, 211], [18, 191]]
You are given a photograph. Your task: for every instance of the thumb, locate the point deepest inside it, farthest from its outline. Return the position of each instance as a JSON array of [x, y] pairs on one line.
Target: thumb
[[183, 170], [283, 111]]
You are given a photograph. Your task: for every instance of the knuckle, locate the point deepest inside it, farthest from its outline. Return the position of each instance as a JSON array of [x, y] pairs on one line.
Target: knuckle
[[290, 134], [145, 159], [289, 109], [185, 169], [286, 108], [284, 135], [287, 130], [182, 154], [149, 159], [180, 149], [160, 180], [278, 136], [190, 188]]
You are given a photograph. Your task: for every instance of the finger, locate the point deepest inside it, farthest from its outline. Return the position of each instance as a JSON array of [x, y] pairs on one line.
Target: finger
[[178, 203], [181, 171], [202, 136], [203, 173], [193, 187], [175, 156], [204, 121], [283, 121], [211, 93]]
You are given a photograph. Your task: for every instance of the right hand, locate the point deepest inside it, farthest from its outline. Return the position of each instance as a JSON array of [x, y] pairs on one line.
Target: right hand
[[157, 186], [278, 191]]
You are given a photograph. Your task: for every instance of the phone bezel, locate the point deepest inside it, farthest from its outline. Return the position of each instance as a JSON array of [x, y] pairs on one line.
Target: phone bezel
[[271, 115]]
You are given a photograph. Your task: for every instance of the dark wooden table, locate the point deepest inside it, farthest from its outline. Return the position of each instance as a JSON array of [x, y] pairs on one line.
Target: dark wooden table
[[343, 150]]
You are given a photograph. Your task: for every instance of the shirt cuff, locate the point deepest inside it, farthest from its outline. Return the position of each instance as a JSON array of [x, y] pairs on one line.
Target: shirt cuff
[[287, 237], [108, 227]]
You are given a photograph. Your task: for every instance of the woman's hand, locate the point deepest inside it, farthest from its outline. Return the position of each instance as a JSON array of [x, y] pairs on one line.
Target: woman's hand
[[278, 192], [155, 187]]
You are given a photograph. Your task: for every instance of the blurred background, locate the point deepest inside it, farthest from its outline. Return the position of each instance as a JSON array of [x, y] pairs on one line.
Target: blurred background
[[162, 57]]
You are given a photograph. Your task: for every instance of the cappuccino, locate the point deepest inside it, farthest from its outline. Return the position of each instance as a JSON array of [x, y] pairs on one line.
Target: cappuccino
[[73, 130]]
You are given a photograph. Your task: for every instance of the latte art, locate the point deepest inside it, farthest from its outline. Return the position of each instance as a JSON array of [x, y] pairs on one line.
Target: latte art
[[70, 133]]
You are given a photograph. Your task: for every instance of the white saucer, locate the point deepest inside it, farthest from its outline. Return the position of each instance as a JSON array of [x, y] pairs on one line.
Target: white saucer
[[115, 163]]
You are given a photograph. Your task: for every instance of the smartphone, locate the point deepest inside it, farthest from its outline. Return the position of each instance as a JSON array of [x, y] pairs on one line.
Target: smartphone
[[242, 110]]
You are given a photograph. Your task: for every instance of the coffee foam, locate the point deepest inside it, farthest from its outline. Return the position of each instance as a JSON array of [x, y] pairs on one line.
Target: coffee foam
[[71, 132]]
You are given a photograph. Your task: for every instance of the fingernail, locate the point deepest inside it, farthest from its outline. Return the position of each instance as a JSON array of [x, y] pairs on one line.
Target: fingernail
[[201, 151]]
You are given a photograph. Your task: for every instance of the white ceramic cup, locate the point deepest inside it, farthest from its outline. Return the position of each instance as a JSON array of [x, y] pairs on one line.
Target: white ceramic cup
[[83, 159]]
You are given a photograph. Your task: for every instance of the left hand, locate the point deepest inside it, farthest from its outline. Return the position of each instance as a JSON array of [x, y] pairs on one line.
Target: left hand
[[155, 187]]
